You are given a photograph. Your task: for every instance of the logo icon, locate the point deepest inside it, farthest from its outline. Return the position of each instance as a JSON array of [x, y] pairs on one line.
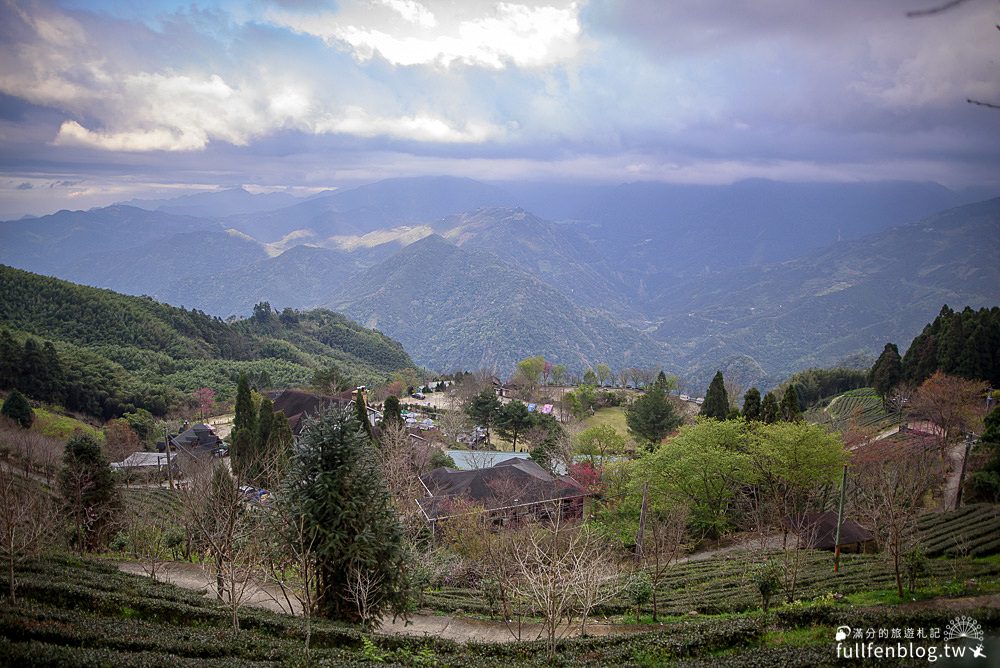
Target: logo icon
[[843, 633], [962, 628]]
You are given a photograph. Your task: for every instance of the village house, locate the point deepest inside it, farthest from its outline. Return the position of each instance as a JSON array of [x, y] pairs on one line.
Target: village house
[[511, 491], [818, 531], [297, 405]]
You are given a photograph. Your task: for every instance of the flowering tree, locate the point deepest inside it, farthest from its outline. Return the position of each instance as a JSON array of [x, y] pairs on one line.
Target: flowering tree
[[205, 396], [588, 475]]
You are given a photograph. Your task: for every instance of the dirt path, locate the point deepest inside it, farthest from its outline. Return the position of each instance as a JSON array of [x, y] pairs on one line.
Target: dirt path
[[461, 629], [966, 603], [193, 576], [772, 542]]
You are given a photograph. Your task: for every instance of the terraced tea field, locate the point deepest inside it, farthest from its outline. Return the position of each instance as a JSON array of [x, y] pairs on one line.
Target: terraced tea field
[[857, 409], [972, 531]]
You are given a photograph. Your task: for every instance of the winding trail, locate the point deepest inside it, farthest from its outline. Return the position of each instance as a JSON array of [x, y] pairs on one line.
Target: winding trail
[[459, 629]]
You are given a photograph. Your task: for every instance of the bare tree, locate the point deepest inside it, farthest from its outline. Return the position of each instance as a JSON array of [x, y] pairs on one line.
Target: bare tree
[[891, 492], [953, 405], [229, 526], [898, 400], [362, 587], [734, 392], [120, 441], [471, 533], [665, 542], [470, 386], [598, 577], [643, 377], [28, 521], [558, 573], [402, 462], [147, 532], [452, 424], [291, 560], [34, 452]]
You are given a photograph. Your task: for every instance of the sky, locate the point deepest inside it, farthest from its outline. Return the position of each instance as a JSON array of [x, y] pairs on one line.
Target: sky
[[107, 100]]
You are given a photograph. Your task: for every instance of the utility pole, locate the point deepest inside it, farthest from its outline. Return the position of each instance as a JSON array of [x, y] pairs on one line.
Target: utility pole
[[166, 449], [969, 439], [840, 521]]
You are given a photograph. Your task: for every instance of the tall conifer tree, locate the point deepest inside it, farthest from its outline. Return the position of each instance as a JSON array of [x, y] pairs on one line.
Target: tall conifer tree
[[337, 490], [770, 412], [790, 411], [887, 371], [716, 399], [751, 405], [245, 418]]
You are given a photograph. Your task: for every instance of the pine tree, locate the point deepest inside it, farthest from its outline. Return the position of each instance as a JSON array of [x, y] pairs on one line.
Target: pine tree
[[391, 412], [33, 376], [790, 411], [751, 405], [663, 383], [512, 420], [261, 459], [241, 452], [279, 444], [651, 417], [770, 412], [335, 487], [10, 360], [17, 408], [716, 399], [265, 421], [245, 418], [887, 371], [88, 490], [484, 409]]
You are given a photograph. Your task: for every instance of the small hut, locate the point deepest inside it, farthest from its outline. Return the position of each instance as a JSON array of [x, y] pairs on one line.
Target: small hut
[[818, 531]]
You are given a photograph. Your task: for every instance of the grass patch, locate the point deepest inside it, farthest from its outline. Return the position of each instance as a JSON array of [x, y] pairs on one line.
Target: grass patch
[[613, 416], [56, 425], [798, 637]]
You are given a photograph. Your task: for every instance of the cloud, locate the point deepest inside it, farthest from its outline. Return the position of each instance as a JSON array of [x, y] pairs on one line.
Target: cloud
[[118, 110], [414, 12], [72, 133], [421, 128], [508, 33], [298, 94]]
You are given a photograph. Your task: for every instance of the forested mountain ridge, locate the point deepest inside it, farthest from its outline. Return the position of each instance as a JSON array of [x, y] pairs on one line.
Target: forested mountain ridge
[[964, 343], [52, 243], [693, 278], [128, 351], [552, 252], [852, 296], [457, 308]]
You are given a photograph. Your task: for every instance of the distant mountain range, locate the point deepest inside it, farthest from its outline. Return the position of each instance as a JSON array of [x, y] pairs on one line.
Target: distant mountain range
[[121, 352], [758, 278]]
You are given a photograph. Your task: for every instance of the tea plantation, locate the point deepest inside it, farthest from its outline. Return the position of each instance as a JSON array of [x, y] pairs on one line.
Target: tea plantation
[[84, 613]]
